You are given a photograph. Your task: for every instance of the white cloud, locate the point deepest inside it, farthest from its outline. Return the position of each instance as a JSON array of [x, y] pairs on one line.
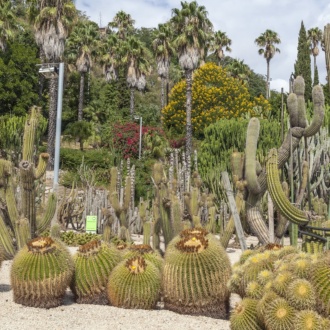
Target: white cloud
[[242, 20]]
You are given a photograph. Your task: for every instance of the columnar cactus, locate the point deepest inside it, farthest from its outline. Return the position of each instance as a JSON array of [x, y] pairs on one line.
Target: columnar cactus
[[134, 283], [257, 185], [41, 271], [20, 220], [195, 274]]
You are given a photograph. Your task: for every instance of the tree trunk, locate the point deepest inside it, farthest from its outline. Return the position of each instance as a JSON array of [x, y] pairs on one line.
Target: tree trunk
[[188, 113], [53, 86], [132, 102], [267, 86], [81, 96], [162, 99]]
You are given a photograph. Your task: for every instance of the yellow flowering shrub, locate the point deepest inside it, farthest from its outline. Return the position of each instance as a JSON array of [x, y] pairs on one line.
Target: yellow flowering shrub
[[215, 95]]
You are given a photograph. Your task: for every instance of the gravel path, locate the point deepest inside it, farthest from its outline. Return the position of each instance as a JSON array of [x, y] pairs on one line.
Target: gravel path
[[80, 316]]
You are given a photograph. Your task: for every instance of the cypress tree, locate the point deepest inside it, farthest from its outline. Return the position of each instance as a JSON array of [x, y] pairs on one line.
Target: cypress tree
[[303, 63]]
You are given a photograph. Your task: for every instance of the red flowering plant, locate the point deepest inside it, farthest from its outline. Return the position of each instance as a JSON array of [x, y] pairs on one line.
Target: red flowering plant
[[126, 138]]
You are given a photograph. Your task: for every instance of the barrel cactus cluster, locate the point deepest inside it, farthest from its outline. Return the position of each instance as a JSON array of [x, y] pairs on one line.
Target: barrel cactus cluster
[[282, 289], [195, 274]]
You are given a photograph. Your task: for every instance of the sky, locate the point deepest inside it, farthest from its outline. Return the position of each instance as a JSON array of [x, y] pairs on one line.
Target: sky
[[242, 20]]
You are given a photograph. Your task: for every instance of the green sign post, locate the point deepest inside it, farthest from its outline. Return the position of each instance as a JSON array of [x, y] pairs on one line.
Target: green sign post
[[91, 224]]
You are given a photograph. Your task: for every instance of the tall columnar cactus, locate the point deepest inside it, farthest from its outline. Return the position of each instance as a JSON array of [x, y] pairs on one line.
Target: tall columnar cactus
[[195, 274], [41, 272], [257, 185], [327, 47], [20, 219], [134, 283], [94, 262]]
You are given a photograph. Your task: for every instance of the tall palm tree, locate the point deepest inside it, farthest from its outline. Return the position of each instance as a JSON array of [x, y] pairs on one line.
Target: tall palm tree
[[8, 23], [81, 46], [267, 41], [219, 43], [137, 58], [52, 20], [124, 24], [192, 29], [315, 36], [109, 56], [164, 50]]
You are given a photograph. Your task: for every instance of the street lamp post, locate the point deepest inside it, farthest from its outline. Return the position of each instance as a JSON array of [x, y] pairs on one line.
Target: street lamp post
[[140, 132], [50, 71]]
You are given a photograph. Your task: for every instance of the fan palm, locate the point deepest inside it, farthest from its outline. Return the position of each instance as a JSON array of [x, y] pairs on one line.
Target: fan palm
[[124, 24], [8, 23], [315, 36], [110, 59], [52, 20], [163, 49], [137, 58], [219, 43], [192, 29], [81, 47], [238, 69], [267, 41]]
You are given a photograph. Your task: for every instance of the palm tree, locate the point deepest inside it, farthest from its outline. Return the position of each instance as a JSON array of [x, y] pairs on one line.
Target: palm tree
[[136, 56], [110, 59], [238, 69], [8, 23], [192, 29], [315, 36], [163, 49], [268, 40], [219, 43], [124, 24], [81, 47], [52, 21]]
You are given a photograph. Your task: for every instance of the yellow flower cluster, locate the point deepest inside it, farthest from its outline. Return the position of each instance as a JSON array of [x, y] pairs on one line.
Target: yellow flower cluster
[[215, 95]]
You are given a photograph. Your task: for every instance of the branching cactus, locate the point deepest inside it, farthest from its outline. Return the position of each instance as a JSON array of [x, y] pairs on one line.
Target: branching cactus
[[20, 219], [257, 184]]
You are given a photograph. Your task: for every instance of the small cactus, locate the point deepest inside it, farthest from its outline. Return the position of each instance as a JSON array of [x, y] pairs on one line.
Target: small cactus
[[134, 283]]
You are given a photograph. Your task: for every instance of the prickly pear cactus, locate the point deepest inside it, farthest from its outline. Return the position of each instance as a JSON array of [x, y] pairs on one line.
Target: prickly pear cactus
[[134, 283], [94, 262], [195, 275], [41, 272]]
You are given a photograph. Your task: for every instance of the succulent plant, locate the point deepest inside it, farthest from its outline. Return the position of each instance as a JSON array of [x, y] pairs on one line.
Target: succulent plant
[[147, 252], [134, 283], [40, 273], [279, 315], [94, 262], [195, 274], [308, 320], [244, 316]]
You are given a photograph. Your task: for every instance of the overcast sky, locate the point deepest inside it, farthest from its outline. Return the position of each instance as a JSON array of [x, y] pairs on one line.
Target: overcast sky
[[242, 20]]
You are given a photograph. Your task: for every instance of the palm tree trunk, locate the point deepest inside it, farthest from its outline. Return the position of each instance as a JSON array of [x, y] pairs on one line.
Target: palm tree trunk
[[52, 121], [188, 113], [81, 96], [267, 87], [132, 102], [162, 99]]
